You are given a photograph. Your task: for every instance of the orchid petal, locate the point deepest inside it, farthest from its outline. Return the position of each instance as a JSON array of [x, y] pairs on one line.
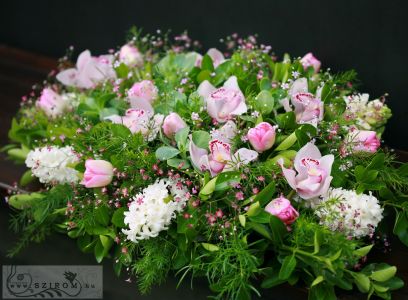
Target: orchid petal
[[68, 77], [205, 89], [298, 86], [196, 154], [245, 156], [232, 83], [307, 151]]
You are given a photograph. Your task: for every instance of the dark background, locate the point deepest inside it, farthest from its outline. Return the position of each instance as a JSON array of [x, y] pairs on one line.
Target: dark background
[[369, 36]]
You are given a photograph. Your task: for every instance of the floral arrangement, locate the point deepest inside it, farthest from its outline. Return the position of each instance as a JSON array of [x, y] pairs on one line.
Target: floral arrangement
[[235, 166]]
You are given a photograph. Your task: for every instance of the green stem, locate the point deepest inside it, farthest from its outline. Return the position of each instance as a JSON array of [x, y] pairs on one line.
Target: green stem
[[291, 194], [393, 204]]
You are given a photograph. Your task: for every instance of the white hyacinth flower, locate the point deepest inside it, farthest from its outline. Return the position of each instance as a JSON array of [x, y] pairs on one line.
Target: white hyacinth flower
[[346, 211], [152, 210], [53, 164]]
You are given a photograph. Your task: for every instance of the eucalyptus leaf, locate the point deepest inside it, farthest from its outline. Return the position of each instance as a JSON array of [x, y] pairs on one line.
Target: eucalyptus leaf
[[165, 152]]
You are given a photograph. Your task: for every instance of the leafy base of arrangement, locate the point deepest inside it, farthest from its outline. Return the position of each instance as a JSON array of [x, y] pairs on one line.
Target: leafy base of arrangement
[[233, 166]]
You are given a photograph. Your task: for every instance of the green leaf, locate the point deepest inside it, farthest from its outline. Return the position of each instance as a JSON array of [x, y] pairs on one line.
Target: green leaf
[[242, 220], [379, 288], [22, 201], [207, 63], [286, 156], [265, 84], [106, 242], [262, 217], [165, 152], [394, 283], [73, 233], [272, 281], [201, 139], [120, 130], [122, 70], [288, 266], [254, 209], [359, 173], [278, 230], [401, 227], [208, 189], [384, 274], [181, 138], [288, 142], [19, 154], [322, 292], [305, 133], [178, 163], [117, 268], [261, 229], [377, 162], [316, 241], [210, 247], [85, 243], [362, 251], [118, 217], [101, 214], [204, 75], [317, 280], [26, 178], [106, 112], [99, 251], [267, 194], [264, 102], [286, 120], [226, 179], [362, 282], [370, 176]]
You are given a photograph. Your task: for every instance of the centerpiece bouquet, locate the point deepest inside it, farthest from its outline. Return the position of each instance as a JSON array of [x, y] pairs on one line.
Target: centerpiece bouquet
[[235, 166]]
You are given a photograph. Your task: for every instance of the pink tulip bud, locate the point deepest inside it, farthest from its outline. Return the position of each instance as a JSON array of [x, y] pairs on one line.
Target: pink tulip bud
[[172, 124], [364, 140], [130, 55], [310, 61], [281, 208], [51, 103], [262, 137], [98, 173]]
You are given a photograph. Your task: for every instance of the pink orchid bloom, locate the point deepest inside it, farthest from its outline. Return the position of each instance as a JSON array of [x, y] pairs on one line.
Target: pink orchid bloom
[[309, 60], [224, 102], [142, 94], [98, 173], [89, 71], [364, 141], [308, 108], [312, 176], [139, 120], [51, 103], [226, 133], [219, 159]]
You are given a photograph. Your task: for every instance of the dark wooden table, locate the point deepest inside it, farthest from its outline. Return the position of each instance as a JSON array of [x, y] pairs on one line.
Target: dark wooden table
[[19, 70]]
